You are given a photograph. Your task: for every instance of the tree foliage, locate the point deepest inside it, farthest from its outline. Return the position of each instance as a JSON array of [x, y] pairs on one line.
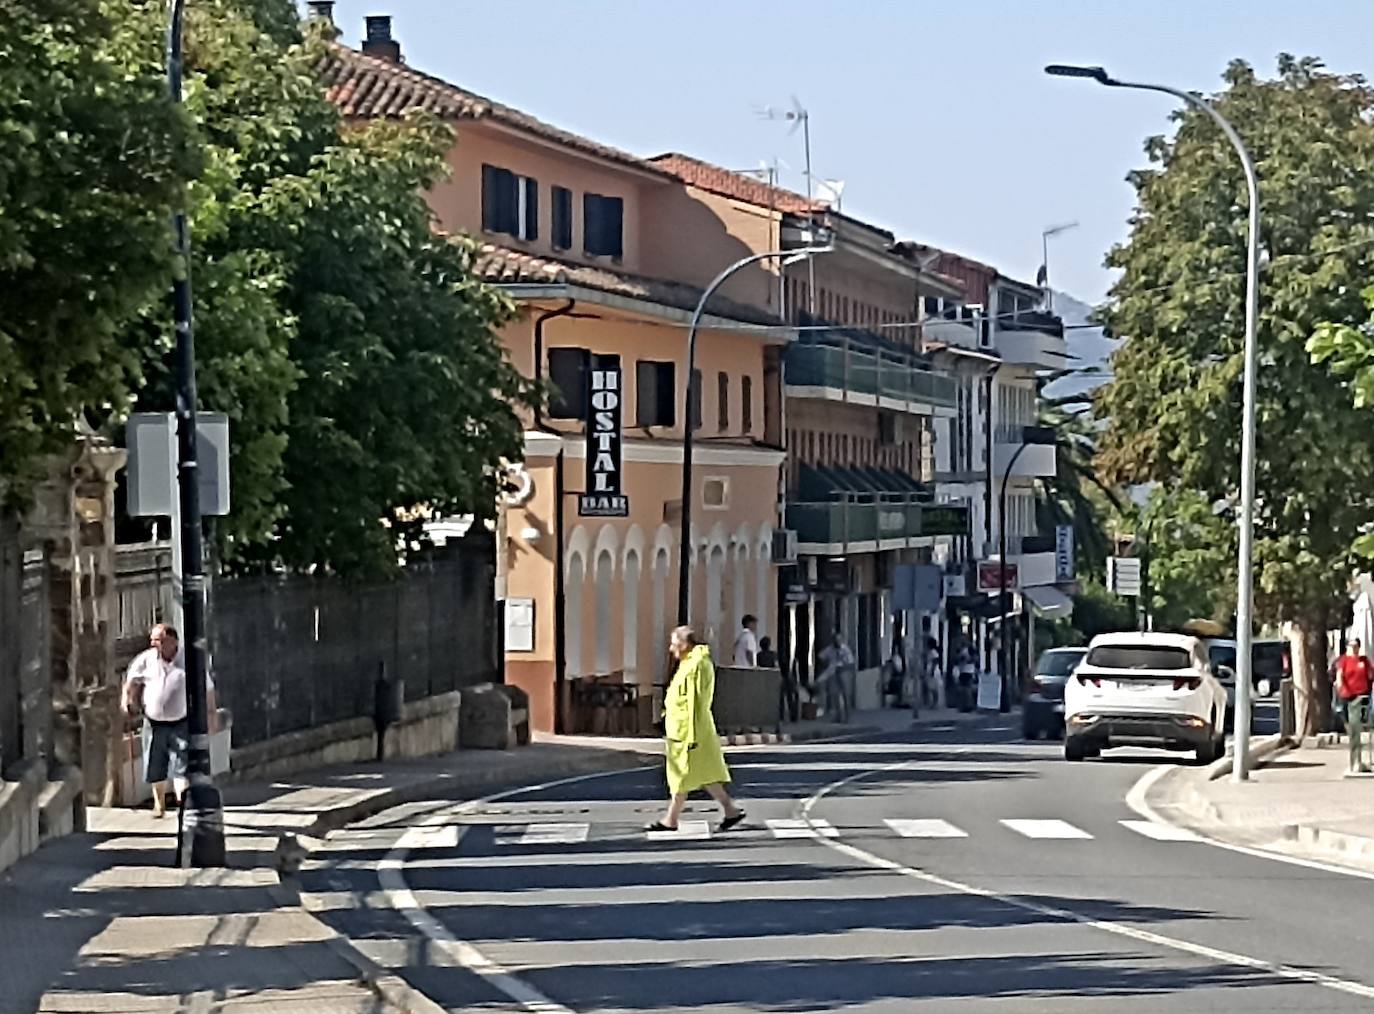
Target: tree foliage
[[1174, 405], [91, 155], [1191, 558], [352, 347]]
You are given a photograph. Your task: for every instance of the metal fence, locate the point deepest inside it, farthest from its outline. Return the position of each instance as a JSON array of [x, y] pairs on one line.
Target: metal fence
[[143, 596], [293, 653], [25, 647]]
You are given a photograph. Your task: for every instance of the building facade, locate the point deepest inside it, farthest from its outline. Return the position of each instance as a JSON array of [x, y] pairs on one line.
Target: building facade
[[571, 230]]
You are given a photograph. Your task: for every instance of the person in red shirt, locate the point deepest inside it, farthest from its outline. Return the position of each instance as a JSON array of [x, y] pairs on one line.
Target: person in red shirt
[[1353, 676]]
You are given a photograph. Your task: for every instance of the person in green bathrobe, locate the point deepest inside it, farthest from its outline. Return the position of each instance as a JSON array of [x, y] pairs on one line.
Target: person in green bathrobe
[[692, 748]]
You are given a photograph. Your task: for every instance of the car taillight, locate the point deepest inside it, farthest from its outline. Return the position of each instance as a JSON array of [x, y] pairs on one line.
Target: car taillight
[[1084, 680], [1187, 683]]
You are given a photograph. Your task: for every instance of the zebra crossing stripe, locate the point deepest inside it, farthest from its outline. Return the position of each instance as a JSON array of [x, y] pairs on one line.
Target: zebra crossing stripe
[[1060, 829], [802, 828], [925, 829], [1159, 832], [687, 830], [554, 834]]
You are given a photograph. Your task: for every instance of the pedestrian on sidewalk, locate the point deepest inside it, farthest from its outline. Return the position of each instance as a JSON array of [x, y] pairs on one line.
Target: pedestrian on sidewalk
[[746, 643], [692, 748], [155, 687], [1354, 677], [836, 664]]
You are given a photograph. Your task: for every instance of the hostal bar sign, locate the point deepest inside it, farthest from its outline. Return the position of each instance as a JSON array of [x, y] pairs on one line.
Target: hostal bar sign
[[603, 498]]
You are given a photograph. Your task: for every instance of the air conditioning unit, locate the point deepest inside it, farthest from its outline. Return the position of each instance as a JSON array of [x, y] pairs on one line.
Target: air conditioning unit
[[784, 546]]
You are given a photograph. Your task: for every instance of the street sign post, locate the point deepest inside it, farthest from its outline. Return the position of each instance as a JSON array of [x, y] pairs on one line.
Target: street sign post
[[1123, 575]]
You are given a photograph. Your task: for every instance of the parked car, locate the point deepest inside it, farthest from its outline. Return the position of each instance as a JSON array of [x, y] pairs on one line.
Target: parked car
[[1042, 712], [1145, 689]]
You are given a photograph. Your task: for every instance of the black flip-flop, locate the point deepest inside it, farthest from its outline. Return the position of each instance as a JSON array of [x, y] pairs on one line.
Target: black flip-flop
[[730, 822], [658, 825]]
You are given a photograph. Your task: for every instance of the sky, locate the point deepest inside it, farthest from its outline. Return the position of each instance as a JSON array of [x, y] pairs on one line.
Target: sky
[[938, 116]]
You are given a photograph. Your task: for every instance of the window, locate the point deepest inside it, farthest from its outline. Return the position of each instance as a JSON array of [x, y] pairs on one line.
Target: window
[[694, 400], [603, 225], [562, 218], [568, 374], [510, 203], [1143, 656], [715, 493], [723, 402], [746, 393], [655, 394]]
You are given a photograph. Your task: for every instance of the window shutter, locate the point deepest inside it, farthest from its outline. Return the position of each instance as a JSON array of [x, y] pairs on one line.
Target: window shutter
[[531, 209], [491, 198], [562, 218], [603, 225], [568, 374]]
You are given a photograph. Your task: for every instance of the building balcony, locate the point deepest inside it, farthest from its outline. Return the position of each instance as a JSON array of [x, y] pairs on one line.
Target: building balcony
[[873, 522], [1032, 338], [840, 366]]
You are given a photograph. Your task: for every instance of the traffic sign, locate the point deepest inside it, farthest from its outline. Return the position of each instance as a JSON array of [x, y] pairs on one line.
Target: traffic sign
[[1123, 575]]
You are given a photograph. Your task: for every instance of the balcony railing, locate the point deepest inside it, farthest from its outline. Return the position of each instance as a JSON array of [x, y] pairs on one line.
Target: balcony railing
[[854, 518], [838, 361], [1032, 320]]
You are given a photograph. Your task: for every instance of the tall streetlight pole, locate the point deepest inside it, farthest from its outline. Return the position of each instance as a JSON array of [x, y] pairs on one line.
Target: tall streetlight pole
[[1029, 435], [1245, 563], [684, 571], [1045, 235], [200, 838]]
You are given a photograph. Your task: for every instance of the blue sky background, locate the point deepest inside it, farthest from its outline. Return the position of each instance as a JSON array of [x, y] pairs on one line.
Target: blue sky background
[[937, 115]]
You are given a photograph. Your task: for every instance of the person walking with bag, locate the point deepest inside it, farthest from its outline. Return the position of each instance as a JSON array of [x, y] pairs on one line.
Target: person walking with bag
[[694, 758]]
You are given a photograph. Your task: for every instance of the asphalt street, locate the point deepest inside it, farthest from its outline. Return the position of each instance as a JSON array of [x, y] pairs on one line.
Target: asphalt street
[[941, 869]]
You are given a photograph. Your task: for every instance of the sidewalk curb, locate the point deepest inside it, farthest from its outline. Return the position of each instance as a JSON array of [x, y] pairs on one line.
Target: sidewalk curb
[[1337, 843]]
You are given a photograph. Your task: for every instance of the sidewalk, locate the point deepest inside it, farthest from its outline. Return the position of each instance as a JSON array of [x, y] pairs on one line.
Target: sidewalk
[[99, 921], [1298, 802]]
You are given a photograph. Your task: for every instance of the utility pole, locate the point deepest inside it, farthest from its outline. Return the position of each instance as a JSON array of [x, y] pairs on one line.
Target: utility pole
[[200, 837]]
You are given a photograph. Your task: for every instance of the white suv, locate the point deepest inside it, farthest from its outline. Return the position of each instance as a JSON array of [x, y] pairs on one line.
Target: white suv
[[1153, 689]]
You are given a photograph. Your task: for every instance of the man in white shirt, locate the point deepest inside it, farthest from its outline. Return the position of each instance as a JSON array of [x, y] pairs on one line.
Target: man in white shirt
[[747, 643], [155, 686]]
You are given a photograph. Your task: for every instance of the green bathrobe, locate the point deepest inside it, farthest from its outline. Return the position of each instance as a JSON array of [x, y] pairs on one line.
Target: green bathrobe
[[693, 751]]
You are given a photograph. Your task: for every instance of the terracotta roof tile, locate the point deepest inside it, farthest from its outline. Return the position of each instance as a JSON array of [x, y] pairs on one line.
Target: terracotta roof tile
[[727, 183], [370, 87], [502, 265]]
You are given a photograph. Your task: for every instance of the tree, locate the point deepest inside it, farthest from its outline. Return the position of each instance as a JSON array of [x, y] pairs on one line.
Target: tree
[[1191, 557], [1174, 404], [351, 346], [91, 155]]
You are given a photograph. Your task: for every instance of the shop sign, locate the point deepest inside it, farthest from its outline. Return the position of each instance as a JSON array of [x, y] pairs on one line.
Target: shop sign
[[605, 398]]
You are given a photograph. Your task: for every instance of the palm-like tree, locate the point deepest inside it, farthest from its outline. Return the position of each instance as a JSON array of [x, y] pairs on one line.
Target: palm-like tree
[[1075, 495]]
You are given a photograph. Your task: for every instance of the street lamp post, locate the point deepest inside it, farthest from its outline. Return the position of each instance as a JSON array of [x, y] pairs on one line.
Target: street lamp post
[[1245, 561], [684, 572], [200, 838]]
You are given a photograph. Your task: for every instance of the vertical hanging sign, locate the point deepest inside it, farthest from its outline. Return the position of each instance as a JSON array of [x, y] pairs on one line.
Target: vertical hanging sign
[[605, 395]]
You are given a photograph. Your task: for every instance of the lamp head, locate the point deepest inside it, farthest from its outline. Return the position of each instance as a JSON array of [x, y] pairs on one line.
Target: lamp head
[[1097, 74]]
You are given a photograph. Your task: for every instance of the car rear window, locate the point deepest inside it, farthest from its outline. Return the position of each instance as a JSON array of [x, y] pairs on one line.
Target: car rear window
[[1268, 659], [1059, 663], [1139, 656], [1222, 654]]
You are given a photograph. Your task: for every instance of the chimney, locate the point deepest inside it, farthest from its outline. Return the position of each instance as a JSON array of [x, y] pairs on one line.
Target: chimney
[[379, 42], [322, 10]]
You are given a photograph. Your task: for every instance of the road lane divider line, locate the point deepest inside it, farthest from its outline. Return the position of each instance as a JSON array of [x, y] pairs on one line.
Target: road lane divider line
[[797, 828], [1134, 933], [1160, 832]]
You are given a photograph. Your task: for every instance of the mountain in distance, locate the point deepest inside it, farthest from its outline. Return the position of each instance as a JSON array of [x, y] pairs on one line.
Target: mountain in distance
[[1090, 351]]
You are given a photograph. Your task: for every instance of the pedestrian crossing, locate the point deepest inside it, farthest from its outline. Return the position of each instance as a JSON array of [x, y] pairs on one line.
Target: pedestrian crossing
[[568, 833]]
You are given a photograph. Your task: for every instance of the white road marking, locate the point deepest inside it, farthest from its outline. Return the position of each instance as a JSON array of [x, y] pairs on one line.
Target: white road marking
[[1117, 929], [444, 837], [1061, 829], [547, 834], [1135, 799], [791, 828], [687, 830], [1159, 832], [925, 829]]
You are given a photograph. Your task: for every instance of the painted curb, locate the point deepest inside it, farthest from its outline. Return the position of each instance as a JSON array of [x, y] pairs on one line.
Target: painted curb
[[1337, 843]]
